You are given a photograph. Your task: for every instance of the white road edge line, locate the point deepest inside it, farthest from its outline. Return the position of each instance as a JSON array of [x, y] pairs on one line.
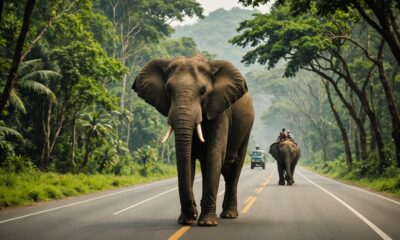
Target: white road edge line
[[356, 188], [382, 234], [85, 201], [144, 201], [150, 198]]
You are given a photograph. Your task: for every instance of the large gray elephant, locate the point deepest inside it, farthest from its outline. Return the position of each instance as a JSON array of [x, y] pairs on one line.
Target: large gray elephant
[[286, 154], [212, 114]]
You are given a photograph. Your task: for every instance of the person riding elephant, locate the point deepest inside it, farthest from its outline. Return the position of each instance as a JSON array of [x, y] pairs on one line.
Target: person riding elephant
[[290, 135], [282, 135], [208, 106], [286, 154]]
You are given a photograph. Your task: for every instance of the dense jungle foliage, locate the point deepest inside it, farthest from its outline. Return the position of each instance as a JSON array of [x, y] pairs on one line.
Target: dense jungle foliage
[[70, 107]]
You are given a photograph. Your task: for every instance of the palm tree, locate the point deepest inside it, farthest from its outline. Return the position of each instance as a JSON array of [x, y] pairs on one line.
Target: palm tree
[[107, 157], [94, 125], [5, 145], [29, 77]]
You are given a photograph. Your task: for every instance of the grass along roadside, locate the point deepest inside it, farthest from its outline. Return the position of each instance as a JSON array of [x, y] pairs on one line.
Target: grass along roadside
[[388, 183], [28, 187]]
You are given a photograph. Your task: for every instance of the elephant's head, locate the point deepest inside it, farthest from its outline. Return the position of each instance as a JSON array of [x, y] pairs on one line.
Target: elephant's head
[[187, 90]]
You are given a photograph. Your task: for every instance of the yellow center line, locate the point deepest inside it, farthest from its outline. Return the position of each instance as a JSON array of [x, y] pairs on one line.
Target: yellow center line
[[250, 203], [179, 233], [271, 174], [264, 183], [247, 200]]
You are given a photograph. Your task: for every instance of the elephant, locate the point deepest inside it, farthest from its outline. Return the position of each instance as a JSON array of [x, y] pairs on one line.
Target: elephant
[[211, 113], [286, 154]]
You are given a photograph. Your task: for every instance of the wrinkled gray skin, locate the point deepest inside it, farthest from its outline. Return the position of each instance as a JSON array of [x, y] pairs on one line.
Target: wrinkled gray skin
[[191, 91], [286, 155]]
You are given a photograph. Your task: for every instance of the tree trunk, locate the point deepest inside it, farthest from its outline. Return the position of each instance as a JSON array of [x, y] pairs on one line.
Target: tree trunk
[[17, 55], [363, 134], [73, 139], [122, 99], [1, 8], [391, 104], [88, 150], [46, 117], [382, 11], [362, 96], [323, 143], [356, 141], [129, 122], [351, 110], [349, 159], [162, 153]]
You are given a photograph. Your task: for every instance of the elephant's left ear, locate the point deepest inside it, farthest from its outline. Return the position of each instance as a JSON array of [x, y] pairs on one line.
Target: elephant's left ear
[[228, 86]]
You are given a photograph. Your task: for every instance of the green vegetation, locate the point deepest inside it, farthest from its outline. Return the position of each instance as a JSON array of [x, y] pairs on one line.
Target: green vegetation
[[26, 187], [388, 182], [68, 106]]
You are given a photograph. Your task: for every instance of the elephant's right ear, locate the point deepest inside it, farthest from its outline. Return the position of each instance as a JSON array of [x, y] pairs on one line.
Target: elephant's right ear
[[150, 85]]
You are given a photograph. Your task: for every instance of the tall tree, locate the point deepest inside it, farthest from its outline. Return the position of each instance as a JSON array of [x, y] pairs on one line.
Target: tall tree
[[17, 55]]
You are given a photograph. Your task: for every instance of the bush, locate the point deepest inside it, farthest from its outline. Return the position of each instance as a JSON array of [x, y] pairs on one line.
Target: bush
[[27, 187], [17, 164], [364, 173]]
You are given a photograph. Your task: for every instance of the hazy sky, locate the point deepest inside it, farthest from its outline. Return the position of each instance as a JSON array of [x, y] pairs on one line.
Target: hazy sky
[[211, 5]]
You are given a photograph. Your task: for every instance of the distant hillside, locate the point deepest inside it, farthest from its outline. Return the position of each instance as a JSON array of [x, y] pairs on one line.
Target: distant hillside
[[213, 32]]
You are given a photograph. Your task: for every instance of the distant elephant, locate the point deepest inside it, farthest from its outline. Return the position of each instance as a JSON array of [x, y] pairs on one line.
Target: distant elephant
[[211, 99], [286, 154]]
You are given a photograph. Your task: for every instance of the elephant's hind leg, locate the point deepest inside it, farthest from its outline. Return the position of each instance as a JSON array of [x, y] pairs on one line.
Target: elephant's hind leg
[[231, 176], [281, 173], [231, 172]]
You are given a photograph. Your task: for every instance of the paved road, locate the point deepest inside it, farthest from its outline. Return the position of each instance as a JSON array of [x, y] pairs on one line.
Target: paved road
[[314, 208]]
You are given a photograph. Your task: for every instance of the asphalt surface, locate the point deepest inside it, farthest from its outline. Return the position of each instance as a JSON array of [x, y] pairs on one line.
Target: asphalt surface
[[314, 208]]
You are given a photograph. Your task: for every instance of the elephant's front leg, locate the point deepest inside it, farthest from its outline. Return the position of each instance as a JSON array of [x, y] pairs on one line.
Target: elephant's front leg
[[211, 171]]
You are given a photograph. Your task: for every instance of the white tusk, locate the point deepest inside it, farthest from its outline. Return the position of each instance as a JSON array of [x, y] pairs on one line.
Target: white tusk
[[167, 134], [200, 133]]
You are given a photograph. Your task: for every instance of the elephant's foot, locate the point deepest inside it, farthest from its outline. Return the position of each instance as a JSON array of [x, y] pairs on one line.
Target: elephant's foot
[[185, 220], [207, 220], [229, 213], [290, 182], [281, 182]]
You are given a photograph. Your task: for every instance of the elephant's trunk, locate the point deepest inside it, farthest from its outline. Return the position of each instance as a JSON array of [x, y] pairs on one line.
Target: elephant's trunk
[[183, 146], [184, 116]]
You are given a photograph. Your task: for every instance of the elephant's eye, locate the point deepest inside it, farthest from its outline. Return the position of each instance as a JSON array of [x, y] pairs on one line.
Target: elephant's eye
[[168, 90], [171, 70], [203, 90]]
